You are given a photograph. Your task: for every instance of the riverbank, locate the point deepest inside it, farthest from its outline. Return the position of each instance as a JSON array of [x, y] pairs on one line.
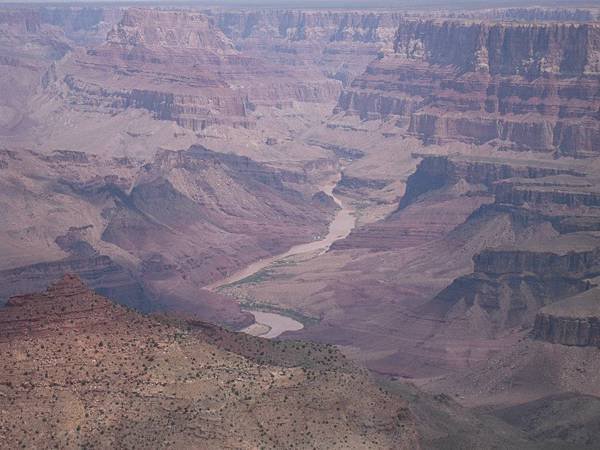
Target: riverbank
[[270, 324]]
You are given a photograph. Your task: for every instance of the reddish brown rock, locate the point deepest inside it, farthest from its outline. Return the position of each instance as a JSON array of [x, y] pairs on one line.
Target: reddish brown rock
[[520, 86], [78, 370]]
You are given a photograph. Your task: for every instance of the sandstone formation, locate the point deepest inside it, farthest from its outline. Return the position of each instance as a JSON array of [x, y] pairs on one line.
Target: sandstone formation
[[477, 82]]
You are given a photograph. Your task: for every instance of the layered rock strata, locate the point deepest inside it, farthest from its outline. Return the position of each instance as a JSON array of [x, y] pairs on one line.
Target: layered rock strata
[[515, 86], [180, 66], [574, 321]]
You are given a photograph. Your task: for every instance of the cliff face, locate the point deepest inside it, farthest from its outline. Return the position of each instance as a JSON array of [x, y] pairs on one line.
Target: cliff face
[[571, 331], [323, 26], [160, 61], [527, 50], [574, 321], [574, 264], [520, 86], [536, 14], [177, 29], [181, 67], [435, 172], [83, 25], [510, 287], [336, 44]]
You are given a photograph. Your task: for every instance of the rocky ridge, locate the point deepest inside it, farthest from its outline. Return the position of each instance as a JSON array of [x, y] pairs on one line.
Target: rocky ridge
[[574, 321], [82, 371]]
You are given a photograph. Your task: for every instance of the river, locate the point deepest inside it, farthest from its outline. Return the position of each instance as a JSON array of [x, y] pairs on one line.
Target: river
[[270, 324]]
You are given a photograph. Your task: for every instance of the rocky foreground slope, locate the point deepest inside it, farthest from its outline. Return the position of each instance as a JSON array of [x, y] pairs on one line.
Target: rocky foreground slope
[[79, 371]]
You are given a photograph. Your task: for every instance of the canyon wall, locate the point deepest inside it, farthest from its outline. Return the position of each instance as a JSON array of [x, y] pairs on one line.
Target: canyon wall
[[323, 26], [163, 62], [514, 85], [336, 44], [573, 322], [181, 67], [511, 286]]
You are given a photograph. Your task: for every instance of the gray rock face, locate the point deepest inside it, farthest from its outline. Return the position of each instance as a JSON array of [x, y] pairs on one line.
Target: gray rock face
[[581, 332], [574, 321], [512, 286]]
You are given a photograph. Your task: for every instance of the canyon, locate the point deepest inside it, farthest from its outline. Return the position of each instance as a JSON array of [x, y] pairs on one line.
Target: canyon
[[404, 198]]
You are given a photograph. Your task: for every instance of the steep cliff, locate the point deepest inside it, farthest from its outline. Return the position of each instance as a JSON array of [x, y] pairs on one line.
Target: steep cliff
[[323, 26], [159, 61], [509, 287], [520, 86], [534, 13], [436, 172], [336, 44], [177, 29], [574, 321], [82, 24], [181, 67]]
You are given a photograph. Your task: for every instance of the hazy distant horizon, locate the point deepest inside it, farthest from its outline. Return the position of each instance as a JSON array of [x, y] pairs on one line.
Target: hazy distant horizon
[[322, 4]]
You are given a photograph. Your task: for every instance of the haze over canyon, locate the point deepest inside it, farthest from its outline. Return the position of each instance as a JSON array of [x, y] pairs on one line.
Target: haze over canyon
[[300, 226]]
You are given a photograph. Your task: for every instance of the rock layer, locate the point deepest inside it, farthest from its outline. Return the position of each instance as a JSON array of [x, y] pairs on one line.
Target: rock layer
[[518, 86], [574, 321]]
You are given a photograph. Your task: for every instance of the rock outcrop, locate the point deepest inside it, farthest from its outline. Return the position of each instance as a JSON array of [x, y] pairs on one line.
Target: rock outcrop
[[338, 44], [159, 61], [510, 286], [181, 67], [574, 321], [101, 273], [436, 172], [316, 25], [534, 14], [517, 86]]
